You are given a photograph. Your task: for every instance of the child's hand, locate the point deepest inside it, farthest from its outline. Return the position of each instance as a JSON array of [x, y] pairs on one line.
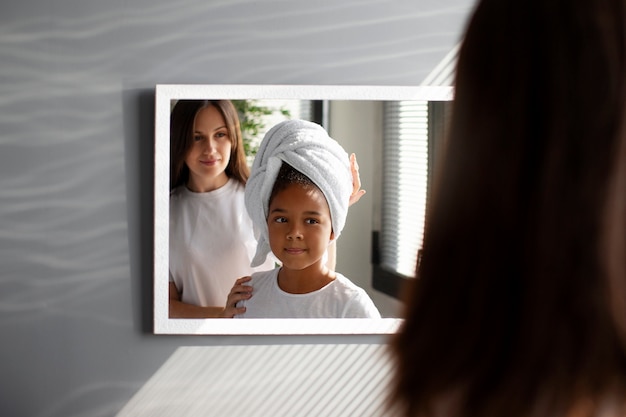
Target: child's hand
[[239, 292], [357, 193]]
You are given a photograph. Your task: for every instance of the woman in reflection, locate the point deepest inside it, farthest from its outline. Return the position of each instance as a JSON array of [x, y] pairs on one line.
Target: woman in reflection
[[519, 308], [211, 238], [299, 210]]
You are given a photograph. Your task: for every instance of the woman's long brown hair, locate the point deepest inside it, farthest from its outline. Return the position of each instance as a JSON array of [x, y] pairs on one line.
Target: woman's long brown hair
[[513, 312], [181, 138]]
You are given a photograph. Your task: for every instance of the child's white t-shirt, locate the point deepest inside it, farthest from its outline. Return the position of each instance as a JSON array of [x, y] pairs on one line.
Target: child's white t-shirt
[[211, 243], [341, 298]]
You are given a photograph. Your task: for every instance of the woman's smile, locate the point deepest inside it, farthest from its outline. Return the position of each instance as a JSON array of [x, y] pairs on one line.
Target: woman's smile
[[210, 162]]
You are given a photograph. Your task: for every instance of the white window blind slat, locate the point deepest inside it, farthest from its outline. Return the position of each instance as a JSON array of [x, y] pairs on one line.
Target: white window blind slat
[[405, 181]]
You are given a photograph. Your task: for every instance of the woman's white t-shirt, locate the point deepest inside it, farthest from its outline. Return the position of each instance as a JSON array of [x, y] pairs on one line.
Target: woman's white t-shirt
[[211, 243]]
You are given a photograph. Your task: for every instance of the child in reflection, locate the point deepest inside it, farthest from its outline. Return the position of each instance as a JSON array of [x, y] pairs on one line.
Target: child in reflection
[[299, 216], [211, 237]]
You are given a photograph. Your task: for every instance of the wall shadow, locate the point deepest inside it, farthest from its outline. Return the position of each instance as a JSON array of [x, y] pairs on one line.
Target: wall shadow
[[138, 114]]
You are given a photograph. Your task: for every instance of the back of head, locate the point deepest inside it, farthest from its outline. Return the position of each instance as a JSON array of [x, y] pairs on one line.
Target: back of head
[[515, 311]]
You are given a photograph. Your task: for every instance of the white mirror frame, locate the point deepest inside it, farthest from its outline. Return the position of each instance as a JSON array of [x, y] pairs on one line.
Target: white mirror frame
[[164, 94]]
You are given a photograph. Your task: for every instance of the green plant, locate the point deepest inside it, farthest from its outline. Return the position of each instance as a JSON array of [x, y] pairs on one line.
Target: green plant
[[253, 118]]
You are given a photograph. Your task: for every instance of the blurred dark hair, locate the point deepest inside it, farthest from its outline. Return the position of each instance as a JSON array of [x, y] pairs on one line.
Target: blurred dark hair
[[519, 305], [181, 138]]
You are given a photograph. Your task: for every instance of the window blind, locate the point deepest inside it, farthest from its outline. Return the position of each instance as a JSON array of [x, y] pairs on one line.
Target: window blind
[[405, 182]]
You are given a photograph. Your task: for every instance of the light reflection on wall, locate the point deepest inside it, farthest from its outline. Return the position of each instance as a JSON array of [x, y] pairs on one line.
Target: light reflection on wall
[[268, 380]]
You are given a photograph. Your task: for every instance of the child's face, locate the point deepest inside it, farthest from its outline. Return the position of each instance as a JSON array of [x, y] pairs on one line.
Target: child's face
[[299, 226], [210, 152]]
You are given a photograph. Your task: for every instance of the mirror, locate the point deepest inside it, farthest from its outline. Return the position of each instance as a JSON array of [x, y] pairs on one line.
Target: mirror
[[321, 104]]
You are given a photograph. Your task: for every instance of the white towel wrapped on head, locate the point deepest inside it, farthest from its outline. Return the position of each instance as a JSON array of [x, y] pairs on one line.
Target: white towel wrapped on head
[[306, 147]]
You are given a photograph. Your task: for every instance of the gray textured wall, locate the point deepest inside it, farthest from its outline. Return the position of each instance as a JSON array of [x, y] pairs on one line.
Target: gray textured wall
[[76, 143]]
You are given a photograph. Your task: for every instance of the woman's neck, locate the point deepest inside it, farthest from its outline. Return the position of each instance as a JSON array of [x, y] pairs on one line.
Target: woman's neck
[[205, 186], [303, 281]]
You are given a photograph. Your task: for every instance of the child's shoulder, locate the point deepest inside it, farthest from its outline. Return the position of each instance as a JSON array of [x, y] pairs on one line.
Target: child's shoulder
[[265, 274], [341, 279], [264, 278], [358, 303], [344, 284]]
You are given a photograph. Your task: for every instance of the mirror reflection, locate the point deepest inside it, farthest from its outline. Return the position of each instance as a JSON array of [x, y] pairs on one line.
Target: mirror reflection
[[210, 236]]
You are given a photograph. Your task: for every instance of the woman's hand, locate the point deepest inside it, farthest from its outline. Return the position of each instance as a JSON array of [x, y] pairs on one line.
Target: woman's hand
[[357, 193], [240, 291]]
